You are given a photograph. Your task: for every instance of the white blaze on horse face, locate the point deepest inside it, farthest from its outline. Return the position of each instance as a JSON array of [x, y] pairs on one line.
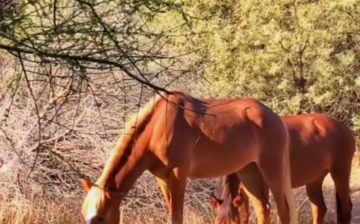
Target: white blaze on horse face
[[92, 204]]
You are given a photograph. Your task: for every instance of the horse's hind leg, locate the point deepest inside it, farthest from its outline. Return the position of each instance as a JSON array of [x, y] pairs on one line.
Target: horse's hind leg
[[272, 172], [257, 191], [315, 194], [341, 178]]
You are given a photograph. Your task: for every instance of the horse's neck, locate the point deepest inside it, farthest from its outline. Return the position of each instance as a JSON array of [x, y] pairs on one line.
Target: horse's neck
[[120, 179]]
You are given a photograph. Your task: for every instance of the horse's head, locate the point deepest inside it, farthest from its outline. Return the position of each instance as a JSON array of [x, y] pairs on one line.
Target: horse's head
[[99, 206], [224, 212]]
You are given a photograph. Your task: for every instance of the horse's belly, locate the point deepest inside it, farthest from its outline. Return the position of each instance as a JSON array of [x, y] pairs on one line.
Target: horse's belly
[[211, 171], [215, 163], [306, 177], [308, 167]]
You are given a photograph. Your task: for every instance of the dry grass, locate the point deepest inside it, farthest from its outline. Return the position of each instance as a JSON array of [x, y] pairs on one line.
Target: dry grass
[[80, 129], [20, 207]]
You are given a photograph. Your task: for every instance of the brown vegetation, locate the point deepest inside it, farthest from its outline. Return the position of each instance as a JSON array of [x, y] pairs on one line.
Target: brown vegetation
[[53, 194]]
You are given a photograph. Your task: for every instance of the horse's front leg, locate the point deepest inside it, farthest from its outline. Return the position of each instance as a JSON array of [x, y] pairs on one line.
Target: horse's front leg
[[177, 191], [164, 187], [172, 184]]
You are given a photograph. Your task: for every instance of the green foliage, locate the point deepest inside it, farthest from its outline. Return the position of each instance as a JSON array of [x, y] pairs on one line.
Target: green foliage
[[296, 56]]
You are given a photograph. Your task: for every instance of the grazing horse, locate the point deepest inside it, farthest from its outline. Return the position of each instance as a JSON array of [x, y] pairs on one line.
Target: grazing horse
[[177, 136], [319, 145]]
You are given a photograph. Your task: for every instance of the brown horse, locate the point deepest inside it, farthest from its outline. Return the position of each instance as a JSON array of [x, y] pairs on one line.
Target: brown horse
[[183, 137], [319, 145]]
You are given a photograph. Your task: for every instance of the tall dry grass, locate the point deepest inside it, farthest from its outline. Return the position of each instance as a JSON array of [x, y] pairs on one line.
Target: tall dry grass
[[44, 150], [52, 134], [146, 206]]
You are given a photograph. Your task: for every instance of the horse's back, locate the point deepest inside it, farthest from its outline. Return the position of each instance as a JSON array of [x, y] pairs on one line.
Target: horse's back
[[235, 111], [227, 134], [317, 142], [225, 123], [247, 117], [320, 126]]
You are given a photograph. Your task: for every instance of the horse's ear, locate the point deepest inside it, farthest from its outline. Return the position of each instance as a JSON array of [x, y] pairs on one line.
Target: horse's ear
[[214, 201], [238, 200], [86, 185]]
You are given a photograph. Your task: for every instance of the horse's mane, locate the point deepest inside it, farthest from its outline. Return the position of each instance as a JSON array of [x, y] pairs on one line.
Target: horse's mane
[[226, 188], [120, 154]]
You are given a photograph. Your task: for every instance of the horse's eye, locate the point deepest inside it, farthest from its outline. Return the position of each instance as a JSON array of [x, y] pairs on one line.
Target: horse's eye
[[101, 219]]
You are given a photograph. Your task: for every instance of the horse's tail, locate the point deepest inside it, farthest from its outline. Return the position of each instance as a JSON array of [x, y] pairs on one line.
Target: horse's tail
[[289, 194]]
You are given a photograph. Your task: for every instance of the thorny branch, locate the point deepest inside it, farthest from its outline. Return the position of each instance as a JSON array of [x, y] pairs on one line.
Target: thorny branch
[[80, 69]]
